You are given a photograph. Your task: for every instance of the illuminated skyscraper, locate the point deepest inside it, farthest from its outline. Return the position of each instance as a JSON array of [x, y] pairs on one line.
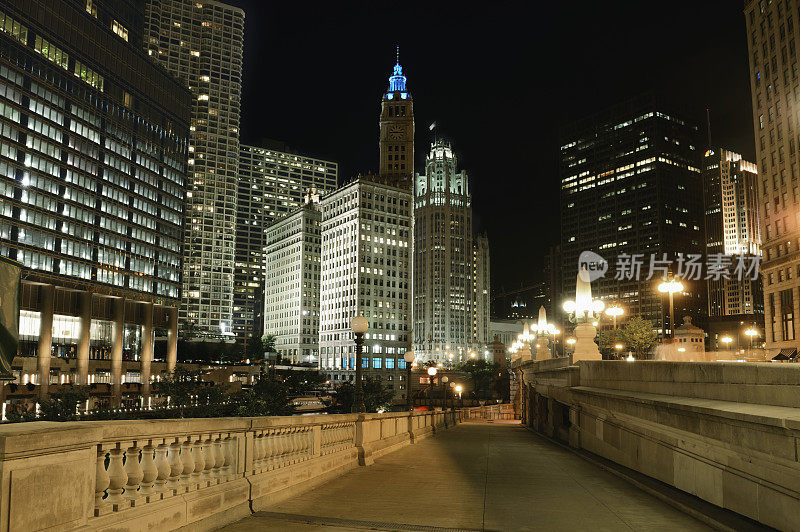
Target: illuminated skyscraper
[[773, 31], [92, 180], [630, 184], [397, 131], [731, 222], [200, 42], [446, 261], [272, 184]]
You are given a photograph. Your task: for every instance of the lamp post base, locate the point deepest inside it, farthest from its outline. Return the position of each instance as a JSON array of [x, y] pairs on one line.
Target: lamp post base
[[585, 347]]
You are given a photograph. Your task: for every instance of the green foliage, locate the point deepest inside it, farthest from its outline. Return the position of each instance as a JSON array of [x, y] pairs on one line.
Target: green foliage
[[483, 375], [268, 343], [638, 335], [376, 396], [302, 382], [267, 397], [63, 404]]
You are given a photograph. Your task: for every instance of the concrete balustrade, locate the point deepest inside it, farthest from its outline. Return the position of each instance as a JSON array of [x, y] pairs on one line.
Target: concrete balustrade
[[167, 474], [728, 433]]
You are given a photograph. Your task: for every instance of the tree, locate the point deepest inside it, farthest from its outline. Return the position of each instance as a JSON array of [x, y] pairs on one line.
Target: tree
[[483, 375], [268, 343], [255, 348], [63, 404], [608, 338], [302, 382], [267, 397], [638, 335], [180, 386], [376, 396]]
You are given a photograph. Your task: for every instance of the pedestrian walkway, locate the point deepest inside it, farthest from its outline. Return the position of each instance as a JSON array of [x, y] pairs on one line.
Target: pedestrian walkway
[[476, 476]]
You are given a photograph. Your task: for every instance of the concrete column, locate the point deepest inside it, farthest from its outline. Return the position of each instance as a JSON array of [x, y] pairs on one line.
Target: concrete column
[[83, 338], [147, 351], [45, 338], [116, 351], [172, 339]]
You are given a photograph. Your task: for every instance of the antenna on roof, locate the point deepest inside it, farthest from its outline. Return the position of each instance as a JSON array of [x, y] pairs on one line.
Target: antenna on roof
[[398, 54]]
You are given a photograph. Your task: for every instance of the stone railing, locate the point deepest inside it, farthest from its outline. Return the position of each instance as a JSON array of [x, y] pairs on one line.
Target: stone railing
[[490, 412], [167, 474]]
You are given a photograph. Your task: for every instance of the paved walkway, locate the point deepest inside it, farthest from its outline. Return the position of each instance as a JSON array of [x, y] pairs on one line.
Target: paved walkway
[[492, 476]]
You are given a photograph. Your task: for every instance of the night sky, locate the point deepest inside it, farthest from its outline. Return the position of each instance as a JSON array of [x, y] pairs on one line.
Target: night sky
[[499, 78]]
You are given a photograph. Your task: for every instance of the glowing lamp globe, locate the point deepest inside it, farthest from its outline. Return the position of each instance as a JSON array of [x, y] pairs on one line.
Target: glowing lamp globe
[[409, 356], [359, 325], [432, 371]]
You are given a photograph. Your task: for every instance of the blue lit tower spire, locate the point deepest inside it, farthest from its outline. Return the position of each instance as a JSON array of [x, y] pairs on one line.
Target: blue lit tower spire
[[397, 81], [397, 130]]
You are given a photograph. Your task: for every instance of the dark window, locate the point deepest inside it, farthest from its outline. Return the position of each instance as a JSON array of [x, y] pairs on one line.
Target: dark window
[[787, 314]]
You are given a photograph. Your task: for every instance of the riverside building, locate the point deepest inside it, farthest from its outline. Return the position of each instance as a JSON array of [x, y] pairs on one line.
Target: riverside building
[[93, 162]]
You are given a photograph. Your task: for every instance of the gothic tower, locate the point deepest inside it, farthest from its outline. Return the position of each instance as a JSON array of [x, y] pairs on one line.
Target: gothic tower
[[397, 131]]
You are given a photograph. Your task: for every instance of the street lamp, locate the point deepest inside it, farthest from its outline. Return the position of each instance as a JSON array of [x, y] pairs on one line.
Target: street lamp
[[458, 389], [670, 287], [618, 347], [444, 391], [409, 358], [727, 341], [571, 342], [431, 375], [359, 326], [614, 312], [750, 333]]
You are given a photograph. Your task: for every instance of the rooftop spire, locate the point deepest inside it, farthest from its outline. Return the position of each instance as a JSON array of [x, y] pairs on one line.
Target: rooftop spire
[[397, 81]]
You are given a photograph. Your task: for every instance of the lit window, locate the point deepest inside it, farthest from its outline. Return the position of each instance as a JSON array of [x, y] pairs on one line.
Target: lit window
[[119, 29]]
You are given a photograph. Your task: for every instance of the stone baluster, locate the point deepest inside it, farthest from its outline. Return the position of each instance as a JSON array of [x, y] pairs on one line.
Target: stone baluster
[[117, 477], [199, 462], [163, 468], [289, 445], [149, 471], [187, 457], [296, 444], [210, 460], [227, 448], [261, 451], [269, 451], [282, 447], [134, 470], [101, 481], [175, 466], [219, 460]]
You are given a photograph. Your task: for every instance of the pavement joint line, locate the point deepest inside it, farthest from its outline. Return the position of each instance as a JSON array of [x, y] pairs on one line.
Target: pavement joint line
[[486, 479], [357, 523], [685, 508]]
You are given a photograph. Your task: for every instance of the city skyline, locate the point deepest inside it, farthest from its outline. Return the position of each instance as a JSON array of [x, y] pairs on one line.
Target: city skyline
[[705, 67]]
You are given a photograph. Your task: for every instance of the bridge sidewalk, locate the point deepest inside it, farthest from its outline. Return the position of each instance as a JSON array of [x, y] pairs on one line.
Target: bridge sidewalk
[[476, 476]]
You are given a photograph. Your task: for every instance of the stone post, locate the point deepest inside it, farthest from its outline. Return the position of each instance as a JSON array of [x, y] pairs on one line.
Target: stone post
[[172, 339], [585, 348], [45, 338], [116, 351], [147, 353], [364, 455], [83, 338]]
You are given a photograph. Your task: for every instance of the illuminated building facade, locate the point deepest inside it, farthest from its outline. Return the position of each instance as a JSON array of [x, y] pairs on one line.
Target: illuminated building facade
[[630, 184], [731, 223], [93, 162], [272, 184], [200, 42], [292, 261], [366, 270], [446, 261], [772, 37]]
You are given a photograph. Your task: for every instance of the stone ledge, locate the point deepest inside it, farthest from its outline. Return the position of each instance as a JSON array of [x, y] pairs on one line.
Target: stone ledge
[[775, 416]]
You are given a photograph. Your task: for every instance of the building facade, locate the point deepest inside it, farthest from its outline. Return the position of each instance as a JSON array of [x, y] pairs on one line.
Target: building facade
[[732, 229], [292, 259], [201, 43], [445, 260], [630, 184], [93, 163], [483, 291], [272, 184], [772, 37], [366, 270]]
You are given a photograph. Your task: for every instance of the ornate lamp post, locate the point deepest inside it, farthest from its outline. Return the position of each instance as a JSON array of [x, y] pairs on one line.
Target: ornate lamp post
[[670, 287], [431, 376], [727, 341], [444, 379], [359, 326], [409, 358], [583, 312], [458, 390]]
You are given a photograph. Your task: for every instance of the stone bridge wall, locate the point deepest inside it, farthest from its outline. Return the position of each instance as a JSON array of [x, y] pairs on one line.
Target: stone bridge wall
[[728, 433], [194, 473]]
